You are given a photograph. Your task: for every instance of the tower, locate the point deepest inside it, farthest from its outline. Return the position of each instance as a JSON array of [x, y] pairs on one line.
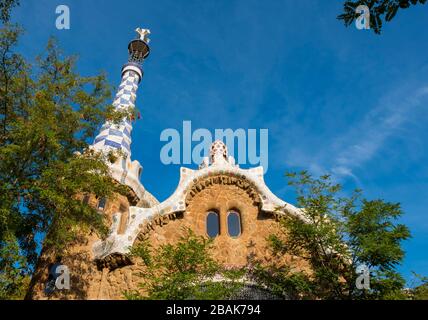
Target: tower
[[114, 137], [117, 137]]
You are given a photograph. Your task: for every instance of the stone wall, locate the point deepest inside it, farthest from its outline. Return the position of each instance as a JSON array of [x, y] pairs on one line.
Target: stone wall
[[90, 281], [78, 257]]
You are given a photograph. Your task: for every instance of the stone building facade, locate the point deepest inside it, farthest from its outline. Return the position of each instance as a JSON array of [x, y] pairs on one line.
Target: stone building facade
[[219, 200]]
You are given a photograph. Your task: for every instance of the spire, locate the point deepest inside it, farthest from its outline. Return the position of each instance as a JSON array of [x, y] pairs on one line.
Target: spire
[[117, 137]]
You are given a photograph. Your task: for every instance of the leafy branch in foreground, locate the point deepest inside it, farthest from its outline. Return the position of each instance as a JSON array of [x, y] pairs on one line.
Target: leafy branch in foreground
[[341, 233], [6, 7], [420, 292], [184, 270], [14, 277]]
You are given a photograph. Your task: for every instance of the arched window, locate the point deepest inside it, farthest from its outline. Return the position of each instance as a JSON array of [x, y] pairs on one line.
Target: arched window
[[234, 223], [213, 224]]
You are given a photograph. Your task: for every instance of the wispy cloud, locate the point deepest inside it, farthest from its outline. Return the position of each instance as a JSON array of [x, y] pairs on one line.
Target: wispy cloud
[[383, 122], [350, 150]]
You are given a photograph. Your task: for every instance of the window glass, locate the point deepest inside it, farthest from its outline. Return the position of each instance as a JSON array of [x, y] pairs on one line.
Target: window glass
[[213, 225], [102, 204], [234, 224]]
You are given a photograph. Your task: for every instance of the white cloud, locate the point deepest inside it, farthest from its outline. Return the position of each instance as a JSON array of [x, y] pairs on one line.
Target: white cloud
[[349, 150], [383, 122]]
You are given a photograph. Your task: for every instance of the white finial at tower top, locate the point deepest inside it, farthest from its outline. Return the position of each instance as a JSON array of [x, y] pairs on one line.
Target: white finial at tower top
[[143, 34]]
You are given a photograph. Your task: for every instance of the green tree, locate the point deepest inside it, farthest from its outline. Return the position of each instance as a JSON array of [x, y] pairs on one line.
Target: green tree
[[14, 278], [48, 115], [6, 7], [184, 270], [420, 292], [380, 10], [337, 235]]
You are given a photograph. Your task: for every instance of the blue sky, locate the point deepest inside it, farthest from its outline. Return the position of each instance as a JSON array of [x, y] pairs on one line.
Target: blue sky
[[334, 99]]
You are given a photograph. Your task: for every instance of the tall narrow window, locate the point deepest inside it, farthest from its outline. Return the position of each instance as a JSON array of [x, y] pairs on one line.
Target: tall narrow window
[[102, 204], [213, 224], [234, 224]]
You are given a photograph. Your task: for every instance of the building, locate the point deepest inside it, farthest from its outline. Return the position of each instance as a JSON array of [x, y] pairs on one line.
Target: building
[[218, 199]]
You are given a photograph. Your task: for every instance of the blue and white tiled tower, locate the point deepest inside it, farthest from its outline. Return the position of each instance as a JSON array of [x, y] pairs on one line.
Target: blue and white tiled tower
[[117, 137]]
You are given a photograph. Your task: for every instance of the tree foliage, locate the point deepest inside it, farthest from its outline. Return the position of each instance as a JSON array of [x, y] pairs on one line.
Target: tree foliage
[[6, 7], [184, 270], [14, 278], [340, 234], [420, 292], [48, 115], [380, 10]]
